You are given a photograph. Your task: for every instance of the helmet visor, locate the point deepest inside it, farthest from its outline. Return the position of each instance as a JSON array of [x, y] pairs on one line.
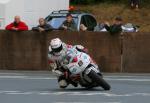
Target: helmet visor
[[57, 50]]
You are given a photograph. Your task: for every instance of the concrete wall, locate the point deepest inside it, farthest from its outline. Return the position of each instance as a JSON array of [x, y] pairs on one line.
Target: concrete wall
[[28, 50], [23, 51], [136, 52], [104, 48]]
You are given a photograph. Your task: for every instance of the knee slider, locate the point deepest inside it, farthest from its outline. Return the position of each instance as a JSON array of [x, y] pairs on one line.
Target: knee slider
[[63, 83]]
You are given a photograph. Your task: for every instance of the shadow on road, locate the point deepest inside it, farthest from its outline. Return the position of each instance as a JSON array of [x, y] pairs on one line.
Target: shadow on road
[[72, 89]]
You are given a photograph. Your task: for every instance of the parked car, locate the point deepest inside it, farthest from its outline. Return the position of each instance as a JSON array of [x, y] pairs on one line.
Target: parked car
[[56, 18]]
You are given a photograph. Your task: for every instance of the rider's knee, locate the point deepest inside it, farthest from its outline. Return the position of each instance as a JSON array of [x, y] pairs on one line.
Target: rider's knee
[[63, 83]]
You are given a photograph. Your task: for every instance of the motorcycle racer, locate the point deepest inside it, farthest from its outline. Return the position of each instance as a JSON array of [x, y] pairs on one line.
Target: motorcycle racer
[[73, 65], [56, 57]]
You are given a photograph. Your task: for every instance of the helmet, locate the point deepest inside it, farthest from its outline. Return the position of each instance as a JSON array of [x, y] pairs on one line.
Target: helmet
[[56, 45]]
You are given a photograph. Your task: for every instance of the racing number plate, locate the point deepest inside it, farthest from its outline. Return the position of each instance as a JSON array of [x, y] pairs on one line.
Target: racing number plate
[[80, 63]]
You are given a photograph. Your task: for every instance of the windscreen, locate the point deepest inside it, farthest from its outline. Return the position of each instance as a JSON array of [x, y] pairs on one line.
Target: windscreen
[[56, 22]]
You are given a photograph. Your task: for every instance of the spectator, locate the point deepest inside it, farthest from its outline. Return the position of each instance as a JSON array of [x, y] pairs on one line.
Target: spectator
[[116, 27], [17, 25], [134, 4], [69, 23], [43, 26]]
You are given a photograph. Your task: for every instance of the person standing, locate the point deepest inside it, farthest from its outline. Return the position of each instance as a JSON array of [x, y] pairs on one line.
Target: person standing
[[116, 27], [17, 25], [69, 23], [135, 4], [43, 26]]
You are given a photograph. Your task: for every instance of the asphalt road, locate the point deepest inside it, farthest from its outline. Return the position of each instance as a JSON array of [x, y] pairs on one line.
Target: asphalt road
[[41, 87]]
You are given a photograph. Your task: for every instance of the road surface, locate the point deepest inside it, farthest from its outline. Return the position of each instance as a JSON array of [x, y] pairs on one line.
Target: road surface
[[41, 87]]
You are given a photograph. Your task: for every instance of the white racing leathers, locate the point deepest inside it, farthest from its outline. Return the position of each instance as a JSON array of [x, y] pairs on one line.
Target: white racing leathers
[[56, 60], [72, 59]]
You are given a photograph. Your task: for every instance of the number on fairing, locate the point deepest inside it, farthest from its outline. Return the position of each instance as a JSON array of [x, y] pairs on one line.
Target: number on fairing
[[80, 63]]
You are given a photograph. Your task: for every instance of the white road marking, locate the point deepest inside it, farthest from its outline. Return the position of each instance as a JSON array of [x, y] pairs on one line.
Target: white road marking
[[53, 78], [11, 77], [86, 102], [125, 76], [9, 91], [72, 93], [124, 79], [12, 74], [114, 95], [25, 77], [20, 93]]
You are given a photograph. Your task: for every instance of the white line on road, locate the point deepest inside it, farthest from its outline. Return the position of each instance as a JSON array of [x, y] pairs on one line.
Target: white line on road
[[53, 78], [72, 93], [12, 74], [25, 77], [133, 80], [87, 102]]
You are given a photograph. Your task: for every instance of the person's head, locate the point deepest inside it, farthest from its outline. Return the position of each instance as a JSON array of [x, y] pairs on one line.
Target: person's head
[[56, 46], [69, 17], [17, 19], [42, 21], [118, 20]]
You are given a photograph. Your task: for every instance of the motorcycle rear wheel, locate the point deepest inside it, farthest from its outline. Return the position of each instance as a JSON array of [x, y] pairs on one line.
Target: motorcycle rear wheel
[[99, 80]]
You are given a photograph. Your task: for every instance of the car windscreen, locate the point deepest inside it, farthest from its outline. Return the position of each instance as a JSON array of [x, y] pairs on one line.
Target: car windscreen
[[56, 22]]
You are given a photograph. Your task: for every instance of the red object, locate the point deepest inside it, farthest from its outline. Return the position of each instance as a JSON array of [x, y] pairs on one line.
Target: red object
[[66, 74], [71, 8], [69, 46], [21, 26], [76, 77], [50, 61], [75, 59]]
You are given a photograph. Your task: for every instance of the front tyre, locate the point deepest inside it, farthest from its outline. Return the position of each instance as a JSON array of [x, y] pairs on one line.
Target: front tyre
[[99, 80]]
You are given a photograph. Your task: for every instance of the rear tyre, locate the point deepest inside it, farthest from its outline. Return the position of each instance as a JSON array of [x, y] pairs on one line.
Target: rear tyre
[[99, 80]]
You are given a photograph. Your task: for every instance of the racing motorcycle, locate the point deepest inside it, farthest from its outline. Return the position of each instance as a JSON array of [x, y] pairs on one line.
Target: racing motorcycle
[[83, 70]]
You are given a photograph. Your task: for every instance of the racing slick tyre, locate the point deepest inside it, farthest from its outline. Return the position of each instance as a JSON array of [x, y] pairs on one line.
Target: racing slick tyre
[[99, 80]]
